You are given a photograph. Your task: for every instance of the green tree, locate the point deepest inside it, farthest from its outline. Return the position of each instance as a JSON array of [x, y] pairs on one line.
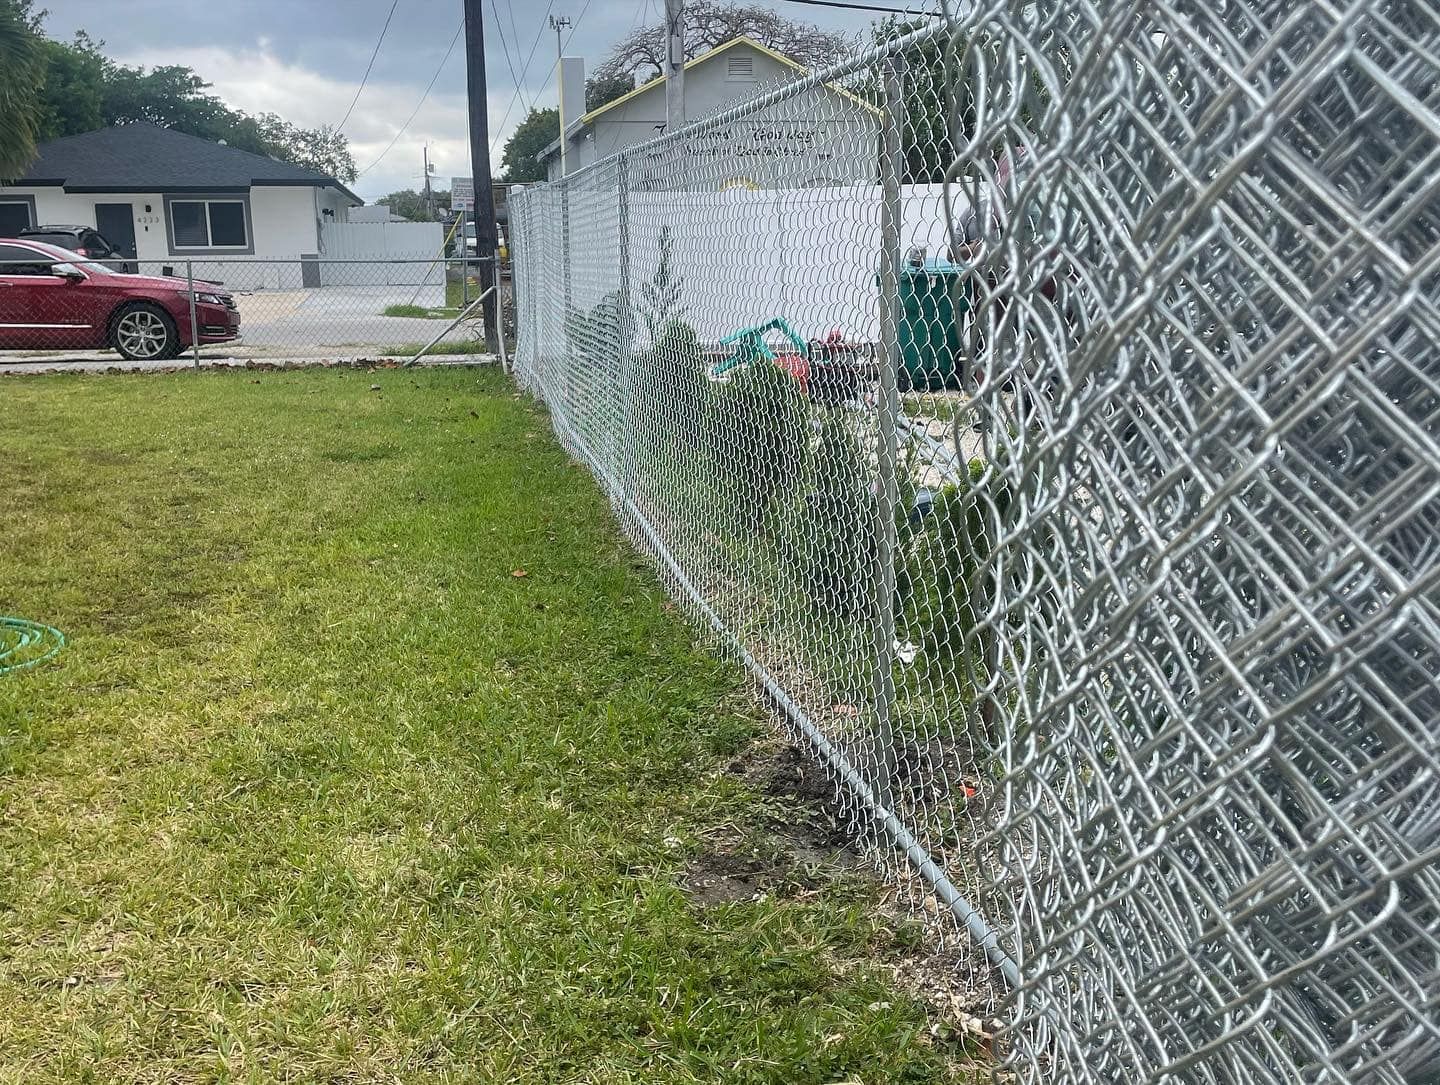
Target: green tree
[[21, 64], [928, 90], [939, 99], [409, 204], [172, 96], [73, 97], [322, 149], [604, 89], [50, 89], [520, 161]]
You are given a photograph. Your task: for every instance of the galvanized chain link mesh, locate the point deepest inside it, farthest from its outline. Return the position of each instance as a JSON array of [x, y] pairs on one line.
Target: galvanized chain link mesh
[[1044, 406]]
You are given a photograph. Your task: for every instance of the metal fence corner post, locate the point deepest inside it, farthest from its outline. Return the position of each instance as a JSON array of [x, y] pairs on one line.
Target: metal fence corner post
[[892, 161], [625, 335], [567, 275], [194, 327]]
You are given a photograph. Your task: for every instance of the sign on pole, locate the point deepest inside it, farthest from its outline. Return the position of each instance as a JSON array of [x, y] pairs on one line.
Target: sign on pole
[[462, 194]]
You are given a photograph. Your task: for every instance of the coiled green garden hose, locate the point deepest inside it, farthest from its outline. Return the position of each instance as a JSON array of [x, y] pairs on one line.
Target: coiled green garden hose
[[25, 643]]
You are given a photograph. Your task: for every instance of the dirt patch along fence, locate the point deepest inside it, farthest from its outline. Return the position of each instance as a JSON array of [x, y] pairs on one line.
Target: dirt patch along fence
[[1100, 561]]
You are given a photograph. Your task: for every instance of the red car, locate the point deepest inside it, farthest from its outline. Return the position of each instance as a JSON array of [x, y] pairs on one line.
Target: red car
[[55, 299]]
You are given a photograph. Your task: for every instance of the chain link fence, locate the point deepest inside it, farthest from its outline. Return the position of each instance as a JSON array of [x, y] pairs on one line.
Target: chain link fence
[[57, 312], [1045, 406]]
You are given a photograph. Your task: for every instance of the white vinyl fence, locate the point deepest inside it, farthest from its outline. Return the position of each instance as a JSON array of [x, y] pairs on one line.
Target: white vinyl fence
[[407, 242]]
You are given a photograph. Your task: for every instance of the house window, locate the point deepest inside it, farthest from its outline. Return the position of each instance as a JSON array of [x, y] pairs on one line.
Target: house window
[[740, 69], [16, 213], [208, 224]]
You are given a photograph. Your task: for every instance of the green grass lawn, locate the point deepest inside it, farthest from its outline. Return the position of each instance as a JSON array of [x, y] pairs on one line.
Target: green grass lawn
[[456, 297], [324, 789], [445, 346]]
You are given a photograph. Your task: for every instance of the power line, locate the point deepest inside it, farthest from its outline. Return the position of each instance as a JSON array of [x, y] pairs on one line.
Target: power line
[[525, 71], [416, 113], [514, 27], [500, 27], [861, 7], [373, 54], [500, 128]]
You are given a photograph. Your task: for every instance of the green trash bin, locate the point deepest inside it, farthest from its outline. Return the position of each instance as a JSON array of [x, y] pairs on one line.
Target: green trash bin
[[932, 300]]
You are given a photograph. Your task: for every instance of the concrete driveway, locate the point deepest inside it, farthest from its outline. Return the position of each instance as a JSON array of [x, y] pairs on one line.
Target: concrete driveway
[[329, 321]]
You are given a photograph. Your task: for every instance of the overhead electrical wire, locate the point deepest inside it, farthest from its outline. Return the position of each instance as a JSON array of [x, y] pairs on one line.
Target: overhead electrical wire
[[524, 71], [514, 26], [862, 7], [443, 60], [373, 54], [500, 128], [505, 45]]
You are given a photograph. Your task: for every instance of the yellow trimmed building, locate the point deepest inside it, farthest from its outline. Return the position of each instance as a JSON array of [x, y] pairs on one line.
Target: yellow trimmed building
[[819, 137]]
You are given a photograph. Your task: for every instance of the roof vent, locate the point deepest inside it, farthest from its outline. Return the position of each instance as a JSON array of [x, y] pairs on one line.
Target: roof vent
[[740, 68]]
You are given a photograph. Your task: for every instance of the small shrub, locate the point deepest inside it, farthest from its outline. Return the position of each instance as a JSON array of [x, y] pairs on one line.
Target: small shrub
[[670, 407], [828, 540], [950, 570], [759, 437], [676, 381]]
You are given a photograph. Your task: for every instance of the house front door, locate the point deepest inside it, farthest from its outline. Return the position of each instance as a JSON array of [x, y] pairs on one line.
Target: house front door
[[117, 222]]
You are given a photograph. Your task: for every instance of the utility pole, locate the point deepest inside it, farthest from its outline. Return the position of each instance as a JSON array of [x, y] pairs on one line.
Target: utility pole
[[557, 24], [674, 65], [429, 196], [486, 241]]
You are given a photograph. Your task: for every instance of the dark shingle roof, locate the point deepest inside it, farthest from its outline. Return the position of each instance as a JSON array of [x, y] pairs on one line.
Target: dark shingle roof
[[147, 158]]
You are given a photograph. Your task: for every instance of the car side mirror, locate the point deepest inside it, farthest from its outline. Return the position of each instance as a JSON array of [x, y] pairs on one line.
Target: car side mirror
[[68, 272]]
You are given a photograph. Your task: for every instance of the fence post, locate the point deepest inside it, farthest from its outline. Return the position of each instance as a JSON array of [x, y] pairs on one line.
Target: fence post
[[500, 310], [464, 264], [194, 328], [566, 363], [892, 160], [624, 329]]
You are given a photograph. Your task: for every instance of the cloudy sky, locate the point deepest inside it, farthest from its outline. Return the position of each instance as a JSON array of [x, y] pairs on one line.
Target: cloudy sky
[[303, 59]]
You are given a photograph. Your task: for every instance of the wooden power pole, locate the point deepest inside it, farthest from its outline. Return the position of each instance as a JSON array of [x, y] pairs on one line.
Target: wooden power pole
[[486, 241]]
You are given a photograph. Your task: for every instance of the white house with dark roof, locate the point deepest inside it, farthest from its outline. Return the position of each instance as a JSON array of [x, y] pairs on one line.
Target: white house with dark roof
[[823, 136], [161, 195]]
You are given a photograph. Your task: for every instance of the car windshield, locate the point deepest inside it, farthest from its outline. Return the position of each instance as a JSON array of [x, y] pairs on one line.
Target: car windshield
[[58, 254]]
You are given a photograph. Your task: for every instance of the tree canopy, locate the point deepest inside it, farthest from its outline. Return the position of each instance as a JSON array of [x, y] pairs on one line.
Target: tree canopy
[[606, 88], [21, 61], [708, 23], [73, 87], [520, 161], [409, 204]]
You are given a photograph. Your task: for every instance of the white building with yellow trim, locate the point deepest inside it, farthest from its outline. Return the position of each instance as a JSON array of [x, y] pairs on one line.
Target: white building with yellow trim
[[822, 136]]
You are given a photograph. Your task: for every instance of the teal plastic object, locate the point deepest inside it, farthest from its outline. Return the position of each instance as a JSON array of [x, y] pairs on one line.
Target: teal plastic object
[[24, 644], [750, 347], [932, 300]]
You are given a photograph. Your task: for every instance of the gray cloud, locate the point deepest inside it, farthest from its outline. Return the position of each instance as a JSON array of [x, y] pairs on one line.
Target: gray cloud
[[303, 60]]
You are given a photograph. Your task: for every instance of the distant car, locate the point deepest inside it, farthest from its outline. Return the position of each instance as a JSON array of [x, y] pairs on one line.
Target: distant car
[[55, 299], [471, 242], [86, 240]]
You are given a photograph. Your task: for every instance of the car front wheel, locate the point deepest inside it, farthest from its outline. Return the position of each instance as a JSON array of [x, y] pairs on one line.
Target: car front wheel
[[143, 333]]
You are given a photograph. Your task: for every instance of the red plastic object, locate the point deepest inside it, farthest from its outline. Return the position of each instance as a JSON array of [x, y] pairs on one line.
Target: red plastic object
[[798, 366]]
